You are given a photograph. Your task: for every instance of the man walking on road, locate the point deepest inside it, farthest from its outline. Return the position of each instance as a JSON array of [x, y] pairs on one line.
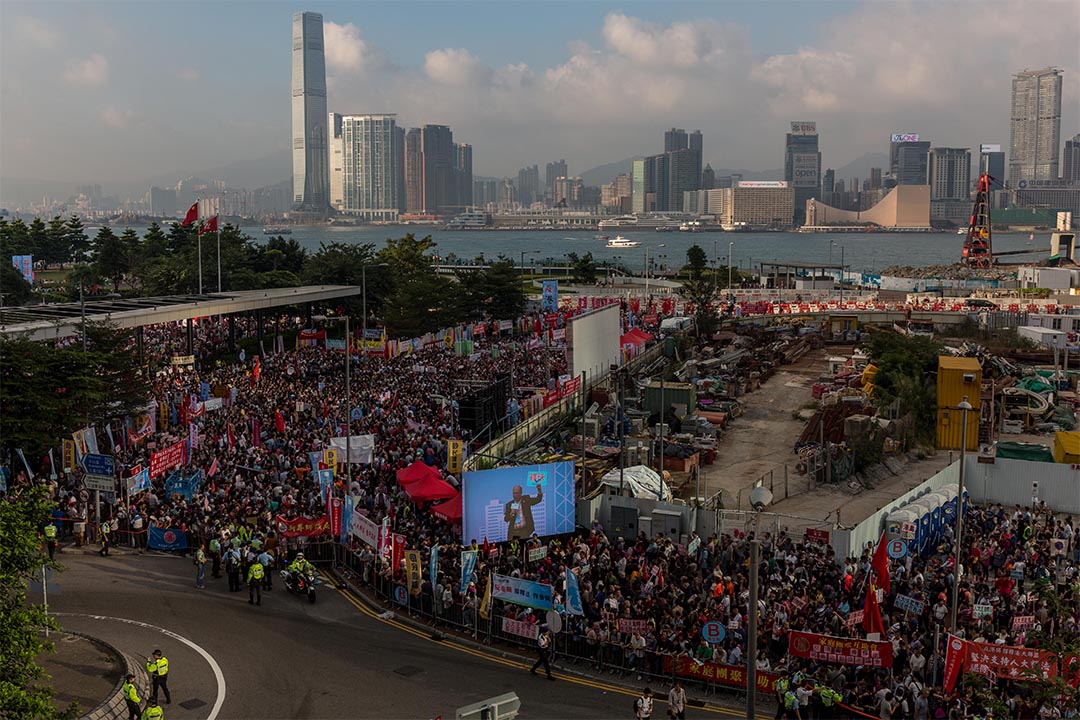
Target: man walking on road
[[643, 705], [158, 667], [131, 697], [106, 537], [200, 568], [50, 538], [676, 701], [232, 569], [254, 581], [543, 646]]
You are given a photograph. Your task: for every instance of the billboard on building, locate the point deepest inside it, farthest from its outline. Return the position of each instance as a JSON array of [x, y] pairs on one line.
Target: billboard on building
[[592, 342], [801, 127], [905, 137], [805, 170], [515, 502], [984, 148], [764, 183]]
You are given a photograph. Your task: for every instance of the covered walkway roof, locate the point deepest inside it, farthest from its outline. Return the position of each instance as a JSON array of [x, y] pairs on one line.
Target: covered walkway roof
[[47, 322]]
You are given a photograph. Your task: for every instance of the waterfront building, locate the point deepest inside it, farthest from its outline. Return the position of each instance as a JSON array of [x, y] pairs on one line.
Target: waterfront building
[[1070, 160], [463, 175], [437, 169], [708, 178], [337, 163], [802, 164], [1035, 138], [311, 177], [414, 171], [528, 185], [372, 158], [759, 205], [552, 170], [992, 163]]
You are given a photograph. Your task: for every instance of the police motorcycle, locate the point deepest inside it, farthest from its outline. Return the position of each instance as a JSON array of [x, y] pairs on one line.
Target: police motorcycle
[[300, 582]]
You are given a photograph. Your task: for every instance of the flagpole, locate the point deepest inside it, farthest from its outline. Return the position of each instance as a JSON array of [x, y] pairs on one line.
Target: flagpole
[[199, 237], [219, 255]]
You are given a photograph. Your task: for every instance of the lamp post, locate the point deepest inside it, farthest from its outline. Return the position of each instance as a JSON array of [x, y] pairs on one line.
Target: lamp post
[[760, 498], [958, 529], [523, 254], [730, 249], [647, 268]]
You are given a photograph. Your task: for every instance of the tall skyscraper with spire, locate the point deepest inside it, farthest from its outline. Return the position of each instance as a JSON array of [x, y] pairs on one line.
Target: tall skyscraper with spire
[[311, 175]]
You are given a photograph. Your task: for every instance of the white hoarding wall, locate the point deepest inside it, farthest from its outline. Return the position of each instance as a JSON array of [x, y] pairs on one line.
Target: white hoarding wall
[[1011, 482], [593, 341]]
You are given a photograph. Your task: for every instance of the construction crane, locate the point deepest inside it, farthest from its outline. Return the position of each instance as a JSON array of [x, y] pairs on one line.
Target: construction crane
[[978, 248]]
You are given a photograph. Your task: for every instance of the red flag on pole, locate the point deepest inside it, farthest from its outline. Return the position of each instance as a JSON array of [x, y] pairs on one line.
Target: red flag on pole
[[880, 564], [192, 214], [209, 226], [872, 612]]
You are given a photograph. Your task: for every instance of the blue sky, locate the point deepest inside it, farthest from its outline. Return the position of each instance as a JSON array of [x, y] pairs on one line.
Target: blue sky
[[123, 91]]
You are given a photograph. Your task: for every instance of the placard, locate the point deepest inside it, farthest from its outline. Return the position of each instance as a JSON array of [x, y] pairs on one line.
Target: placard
[[633, 625], [907, 604], [520, 628], [538, 553], [982, 611]]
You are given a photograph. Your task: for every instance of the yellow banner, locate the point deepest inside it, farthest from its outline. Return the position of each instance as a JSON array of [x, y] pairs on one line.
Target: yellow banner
[[330, 457], [69, 455], [485, 606], [412, 571], [454, 450]]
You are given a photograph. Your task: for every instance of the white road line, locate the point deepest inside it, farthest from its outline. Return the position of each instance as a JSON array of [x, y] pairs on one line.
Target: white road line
[[220, 676]]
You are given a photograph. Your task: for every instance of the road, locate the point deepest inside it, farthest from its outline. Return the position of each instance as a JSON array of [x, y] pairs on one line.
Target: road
[[291, 659]]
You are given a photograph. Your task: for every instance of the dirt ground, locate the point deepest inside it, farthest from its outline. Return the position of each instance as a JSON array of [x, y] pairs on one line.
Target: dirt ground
[[761, 440]]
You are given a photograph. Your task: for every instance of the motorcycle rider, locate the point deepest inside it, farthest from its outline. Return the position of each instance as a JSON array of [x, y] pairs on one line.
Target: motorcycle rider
[[299, 566]]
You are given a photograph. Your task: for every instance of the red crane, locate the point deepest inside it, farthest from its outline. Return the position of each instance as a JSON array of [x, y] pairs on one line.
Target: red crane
[[978, 250]]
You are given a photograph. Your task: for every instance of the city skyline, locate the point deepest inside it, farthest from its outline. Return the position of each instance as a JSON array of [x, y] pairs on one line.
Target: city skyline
[[599, 91]]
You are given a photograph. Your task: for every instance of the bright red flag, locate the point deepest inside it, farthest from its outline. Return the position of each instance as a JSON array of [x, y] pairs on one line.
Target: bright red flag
[[279, 421], [209, 226], [872, 612], [880, 564], [192, 214], [258, 369]]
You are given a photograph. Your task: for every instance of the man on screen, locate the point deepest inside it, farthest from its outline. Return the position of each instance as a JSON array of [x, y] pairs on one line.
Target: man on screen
[[518, 514]]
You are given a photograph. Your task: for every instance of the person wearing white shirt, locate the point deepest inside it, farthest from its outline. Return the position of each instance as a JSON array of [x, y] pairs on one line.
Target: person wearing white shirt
[[676, 700]]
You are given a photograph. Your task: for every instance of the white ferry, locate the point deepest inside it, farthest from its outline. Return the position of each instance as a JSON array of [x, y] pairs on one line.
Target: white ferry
[[620, 242]]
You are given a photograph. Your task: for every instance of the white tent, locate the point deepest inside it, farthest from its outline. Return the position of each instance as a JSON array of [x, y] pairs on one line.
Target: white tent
[[361, 448], [641, 481]]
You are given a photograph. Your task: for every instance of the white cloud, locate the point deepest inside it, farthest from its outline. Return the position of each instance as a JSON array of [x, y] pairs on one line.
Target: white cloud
[[93, 71], [188, 74], [681, 45], [38, 33], [455, 67], [116, 118], [345, 49]]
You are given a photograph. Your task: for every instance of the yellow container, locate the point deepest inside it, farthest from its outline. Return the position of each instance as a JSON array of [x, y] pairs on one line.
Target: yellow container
[[1067, 447], [957, 378]]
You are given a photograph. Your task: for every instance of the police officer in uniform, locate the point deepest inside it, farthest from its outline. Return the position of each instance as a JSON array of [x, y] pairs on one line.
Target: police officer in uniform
[[158, 667], [131, 697], [106, 537], [152, 711], [50, 538], [215, 556], [543, 646], [255, 575]]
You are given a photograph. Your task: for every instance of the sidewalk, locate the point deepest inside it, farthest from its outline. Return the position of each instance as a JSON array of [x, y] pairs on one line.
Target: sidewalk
[[81, 670]]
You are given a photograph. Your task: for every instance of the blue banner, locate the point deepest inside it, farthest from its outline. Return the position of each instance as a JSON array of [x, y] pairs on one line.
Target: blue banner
[[25, 265], [314, 458], [433, 566], [573, 594], [166, 539], [549, 299], [347, 510], [521, 592], [184, 485], [468, 565], [326, 479], [139, 483]]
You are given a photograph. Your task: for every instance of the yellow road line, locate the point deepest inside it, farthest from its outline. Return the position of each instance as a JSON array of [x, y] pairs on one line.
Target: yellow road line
[[449, 642]]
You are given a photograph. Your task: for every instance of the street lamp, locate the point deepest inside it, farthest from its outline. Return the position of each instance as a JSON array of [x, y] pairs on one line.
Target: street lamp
[[760, 498], [523, 254], [730, 248], [647, 268], [958, 529]]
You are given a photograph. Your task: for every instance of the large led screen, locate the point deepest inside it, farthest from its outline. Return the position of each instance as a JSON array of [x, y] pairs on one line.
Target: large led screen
[[505, 503]]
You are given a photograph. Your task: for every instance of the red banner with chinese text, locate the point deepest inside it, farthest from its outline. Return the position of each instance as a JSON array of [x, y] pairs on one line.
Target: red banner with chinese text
[[843, 651], [303, 526], [167, 458], [734, 675]]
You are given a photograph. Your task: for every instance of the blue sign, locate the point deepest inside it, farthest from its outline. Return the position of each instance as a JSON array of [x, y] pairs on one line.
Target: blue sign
[[897, 549], [357, 414], [713, 632], [347, 510], [401, 595], [573, 594], [102, 465], [468, 565], [184, 485], [549, 298], [166, 539], [907, 604], [521, 592], [25, 265], [139, 483], [433, 566], [507, 503]]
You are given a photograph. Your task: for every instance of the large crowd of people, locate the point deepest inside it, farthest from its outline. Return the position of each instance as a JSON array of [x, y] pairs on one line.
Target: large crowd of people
[[254, 454]]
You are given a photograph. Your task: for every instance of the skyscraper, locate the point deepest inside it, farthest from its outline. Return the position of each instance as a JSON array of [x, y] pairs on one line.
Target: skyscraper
[[684, 175], [1070, 161], [676, 139], [437, 147], [907, 160], [528, 185], [1036, 125], [414, 172], [372, 157], [802, 165], [829, 183], [637, 186], [875, 178], [553, 170], [337, 163], [463, 174], [311, 177], [708, 178], [948, 173], [697, 147], [992, 162]]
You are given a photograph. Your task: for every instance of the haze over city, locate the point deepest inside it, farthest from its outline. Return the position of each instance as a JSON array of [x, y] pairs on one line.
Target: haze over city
[[122, 93]]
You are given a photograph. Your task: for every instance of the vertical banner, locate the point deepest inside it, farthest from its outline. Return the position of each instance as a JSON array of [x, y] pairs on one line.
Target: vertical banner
[[386, 541], [412, 571], [326, 479], [334, 511], [193, 435], [468, 566], [454, 450], [549, 300], [398, 554], [433, 565], [25, 265], [347, 510], [573, 594], [69, 455], [954, 658], [485, 605], [330, 457]]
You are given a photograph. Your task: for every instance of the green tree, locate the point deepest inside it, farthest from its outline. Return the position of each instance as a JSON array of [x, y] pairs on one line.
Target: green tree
[[491, 292], [78, 242], [155, 243], [57, 248], [14, 238], [283, 254], [14, 290], [38, 238], [583, 268], [110, 255], [419, 298], [904, 365], [700, 289], [24, 688]]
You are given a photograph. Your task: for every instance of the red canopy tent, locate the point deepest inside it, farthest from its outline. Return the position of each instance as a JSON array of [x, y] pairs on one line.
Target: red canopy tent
[[430, 488], [638, 332], [416, 472], [631, 339], [450, 511]]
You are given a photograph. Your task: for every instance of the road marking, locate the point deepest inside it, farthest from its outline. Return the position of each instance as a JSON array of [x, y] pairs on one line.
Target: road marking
[[449, 642], [218, 675]]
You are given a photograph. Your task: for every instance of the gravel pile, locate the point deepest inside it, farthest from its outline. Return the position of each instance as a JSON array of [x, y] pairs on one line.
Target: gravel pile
[[949, 272]]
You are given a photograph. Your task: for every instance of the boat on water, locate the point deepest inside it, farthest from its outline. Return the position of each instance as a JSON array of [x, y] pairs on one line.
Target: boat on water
[[276, 230], [620, 242], [603, 237], [656, 223]]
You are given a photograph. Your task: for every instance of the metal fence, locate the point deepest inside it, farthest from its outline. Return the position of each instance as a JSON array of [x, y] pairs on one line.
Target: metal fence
[[572, 647]]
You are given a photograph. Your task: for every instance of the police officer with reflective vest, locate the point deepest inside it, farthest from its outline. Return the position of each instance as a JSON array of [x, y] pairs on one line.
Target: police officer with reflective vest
[[105, 539], [791, 705], [782, 686], [158, 667], [255, 575], [152, 711], [828, 698], [131, 697], [543, 646], [215, 555], [50, 539]]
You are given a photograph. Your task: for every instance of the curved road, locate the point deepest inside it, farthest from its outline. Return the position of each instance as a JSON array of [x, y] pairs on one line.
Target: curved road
[[290, 659]]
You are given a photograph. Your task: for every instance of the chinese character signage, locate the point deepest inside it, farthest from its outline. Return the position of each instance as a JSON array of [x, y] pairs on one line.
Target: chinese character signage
[[842, 651], [521, 592]]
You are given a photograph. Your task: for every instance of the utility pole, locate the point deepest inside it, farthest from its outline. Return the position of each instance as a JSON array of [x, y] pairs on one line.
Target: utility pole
[[958, 529], [348, 405]]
